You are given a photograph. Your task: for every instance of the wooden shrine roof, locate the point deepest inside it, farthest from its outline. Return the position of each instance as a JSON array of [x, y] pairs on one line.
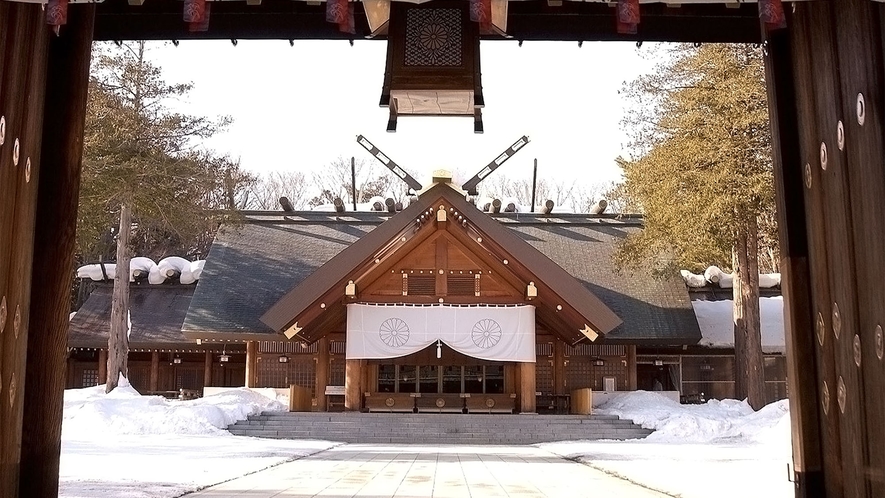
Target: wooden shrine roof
[[393, 239], [254, 265], [157, 313]]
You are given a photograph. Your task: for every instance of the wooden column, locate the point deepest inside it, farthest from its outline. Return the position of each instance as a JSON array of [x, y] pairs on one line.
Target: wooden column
[[48, 171], [631, 368], [24, 48], [833, 284], [102, 364], [207, 371], [558, 366], [251, 363], [527, 383], [511, 379], [155, 371], [322, 374], [789, 182], [353, 375]]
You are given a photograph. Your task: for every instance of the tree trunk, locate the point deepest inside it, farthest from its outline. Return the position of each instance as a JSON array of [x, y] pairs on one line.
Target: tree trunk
[[749, 381], [739, 256], [753, 339], [118, 342]]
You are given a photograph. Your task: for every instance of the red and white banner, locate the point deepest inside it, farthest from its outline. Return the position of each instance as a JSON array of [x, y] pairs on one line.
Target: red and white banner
[[497, 333]]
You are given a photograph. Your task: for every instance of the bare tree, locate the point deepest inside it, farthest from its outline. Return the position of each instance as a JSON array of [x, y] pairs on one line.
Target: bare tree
[[562, 193], [335, 180], [266, 192]]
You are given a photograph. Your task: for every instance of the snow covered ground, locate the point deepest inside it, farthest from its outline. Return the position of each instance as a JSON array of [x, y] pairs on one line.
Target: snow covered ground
[[721, 448], [125, 444]]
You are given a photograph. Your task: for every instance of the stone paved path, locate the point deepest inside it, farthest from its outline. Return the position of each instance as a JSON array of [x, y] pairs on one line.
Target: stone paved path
[[373, 471]]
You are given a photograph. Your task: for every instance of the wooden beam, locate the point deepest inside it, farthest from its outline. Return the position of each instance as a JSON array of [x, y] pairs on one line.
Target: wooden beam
[[527, 382], [155, 370], [102, 364], [558, 366], [207, 370], [353, 376], [442, 264], [573, 21], [631, 367], [322, 373], [511, 379], [252, 364]]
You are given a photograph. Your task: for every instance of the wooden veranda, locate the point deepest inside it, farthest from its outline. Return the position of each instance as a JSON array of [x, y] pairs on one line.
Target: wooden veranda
[[826, 88]]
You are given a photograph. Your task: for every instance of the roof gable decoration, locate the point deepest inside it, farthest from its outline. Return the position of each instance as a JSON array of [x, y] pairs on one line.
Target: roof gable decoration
[[564, 304]]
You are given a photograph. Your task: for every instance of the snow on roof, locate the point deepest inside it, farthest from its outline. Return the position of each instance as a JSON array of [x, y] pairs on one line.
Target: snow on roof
[[187, 272], [715, 276], [715, 319]]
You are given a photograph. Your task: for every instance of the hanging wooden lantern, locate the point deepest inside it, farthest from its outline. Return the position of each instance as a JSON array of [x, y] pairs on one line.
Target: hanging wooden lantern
[[432, 62]]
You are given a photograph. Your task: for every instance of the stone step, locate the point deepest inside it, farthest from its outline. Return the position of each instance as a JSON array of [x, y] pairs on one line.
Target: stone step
[[355, 427]]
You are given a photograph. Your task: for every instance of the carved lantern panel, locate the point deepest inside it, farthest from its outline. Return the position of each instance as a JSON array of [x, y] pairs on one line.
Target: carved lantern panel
[[432, 62]]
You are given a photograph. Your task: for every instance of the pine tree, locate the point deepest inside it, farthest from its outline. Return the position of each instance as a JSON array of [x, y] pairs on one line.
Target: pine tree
[[700, 169], [142, 166]]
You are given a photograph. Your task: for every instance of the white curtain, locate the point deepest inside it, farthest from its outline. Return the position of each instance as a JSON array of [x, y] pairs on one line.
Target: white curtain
[[500, 333]]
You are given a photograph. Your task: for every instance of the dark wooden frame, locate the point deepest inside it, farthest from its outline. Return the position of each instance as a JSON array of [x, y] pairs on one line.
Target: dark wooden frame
[[832, 231]]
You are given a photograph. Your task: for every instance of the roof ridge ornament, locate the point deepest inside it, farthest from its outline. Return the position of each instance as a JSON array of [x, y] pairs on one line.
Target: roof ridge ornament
[[470, 185], [389, 163]]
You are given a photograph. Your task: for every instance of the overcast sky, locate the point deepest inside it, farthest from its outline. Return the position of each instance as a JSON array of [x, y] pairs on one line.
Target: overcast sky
[[301, 107]]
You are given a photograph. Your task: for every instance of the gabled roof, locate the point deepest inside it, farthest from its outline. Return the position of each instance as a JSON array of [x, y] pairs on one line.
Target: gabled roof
[[156, 313], [259, 262], [576, 306], [249, 267], [655, 311]]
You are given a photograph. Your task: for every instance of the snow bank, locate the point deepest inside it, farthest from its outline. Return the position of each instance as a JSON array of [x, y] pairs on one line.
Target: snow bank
[[715, 319], [716, 421], [90, 411]]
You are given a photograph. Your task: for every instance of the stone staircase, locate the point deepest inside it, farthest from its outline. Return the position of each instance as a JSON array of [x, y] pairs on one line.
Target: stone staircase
[[405, 428]]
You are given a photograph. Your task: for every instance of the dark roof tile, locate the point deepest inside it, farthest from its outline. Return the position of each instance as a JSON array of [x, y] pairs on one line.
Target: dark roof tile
[[156, 312], [251, 267]]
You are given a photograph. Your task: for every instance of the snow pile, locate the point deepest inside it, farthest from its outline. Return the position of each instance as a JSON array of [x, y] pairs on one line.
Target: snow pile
[[714, 422], [695, 448], [715, 319], [89, 412], [126, 444]]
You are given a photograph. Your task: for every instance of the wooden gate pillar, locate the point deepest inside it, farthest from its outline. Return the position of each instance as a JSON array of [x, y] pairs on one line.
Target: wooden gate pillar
[[24, 48], [789, 180], [51, 148]]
